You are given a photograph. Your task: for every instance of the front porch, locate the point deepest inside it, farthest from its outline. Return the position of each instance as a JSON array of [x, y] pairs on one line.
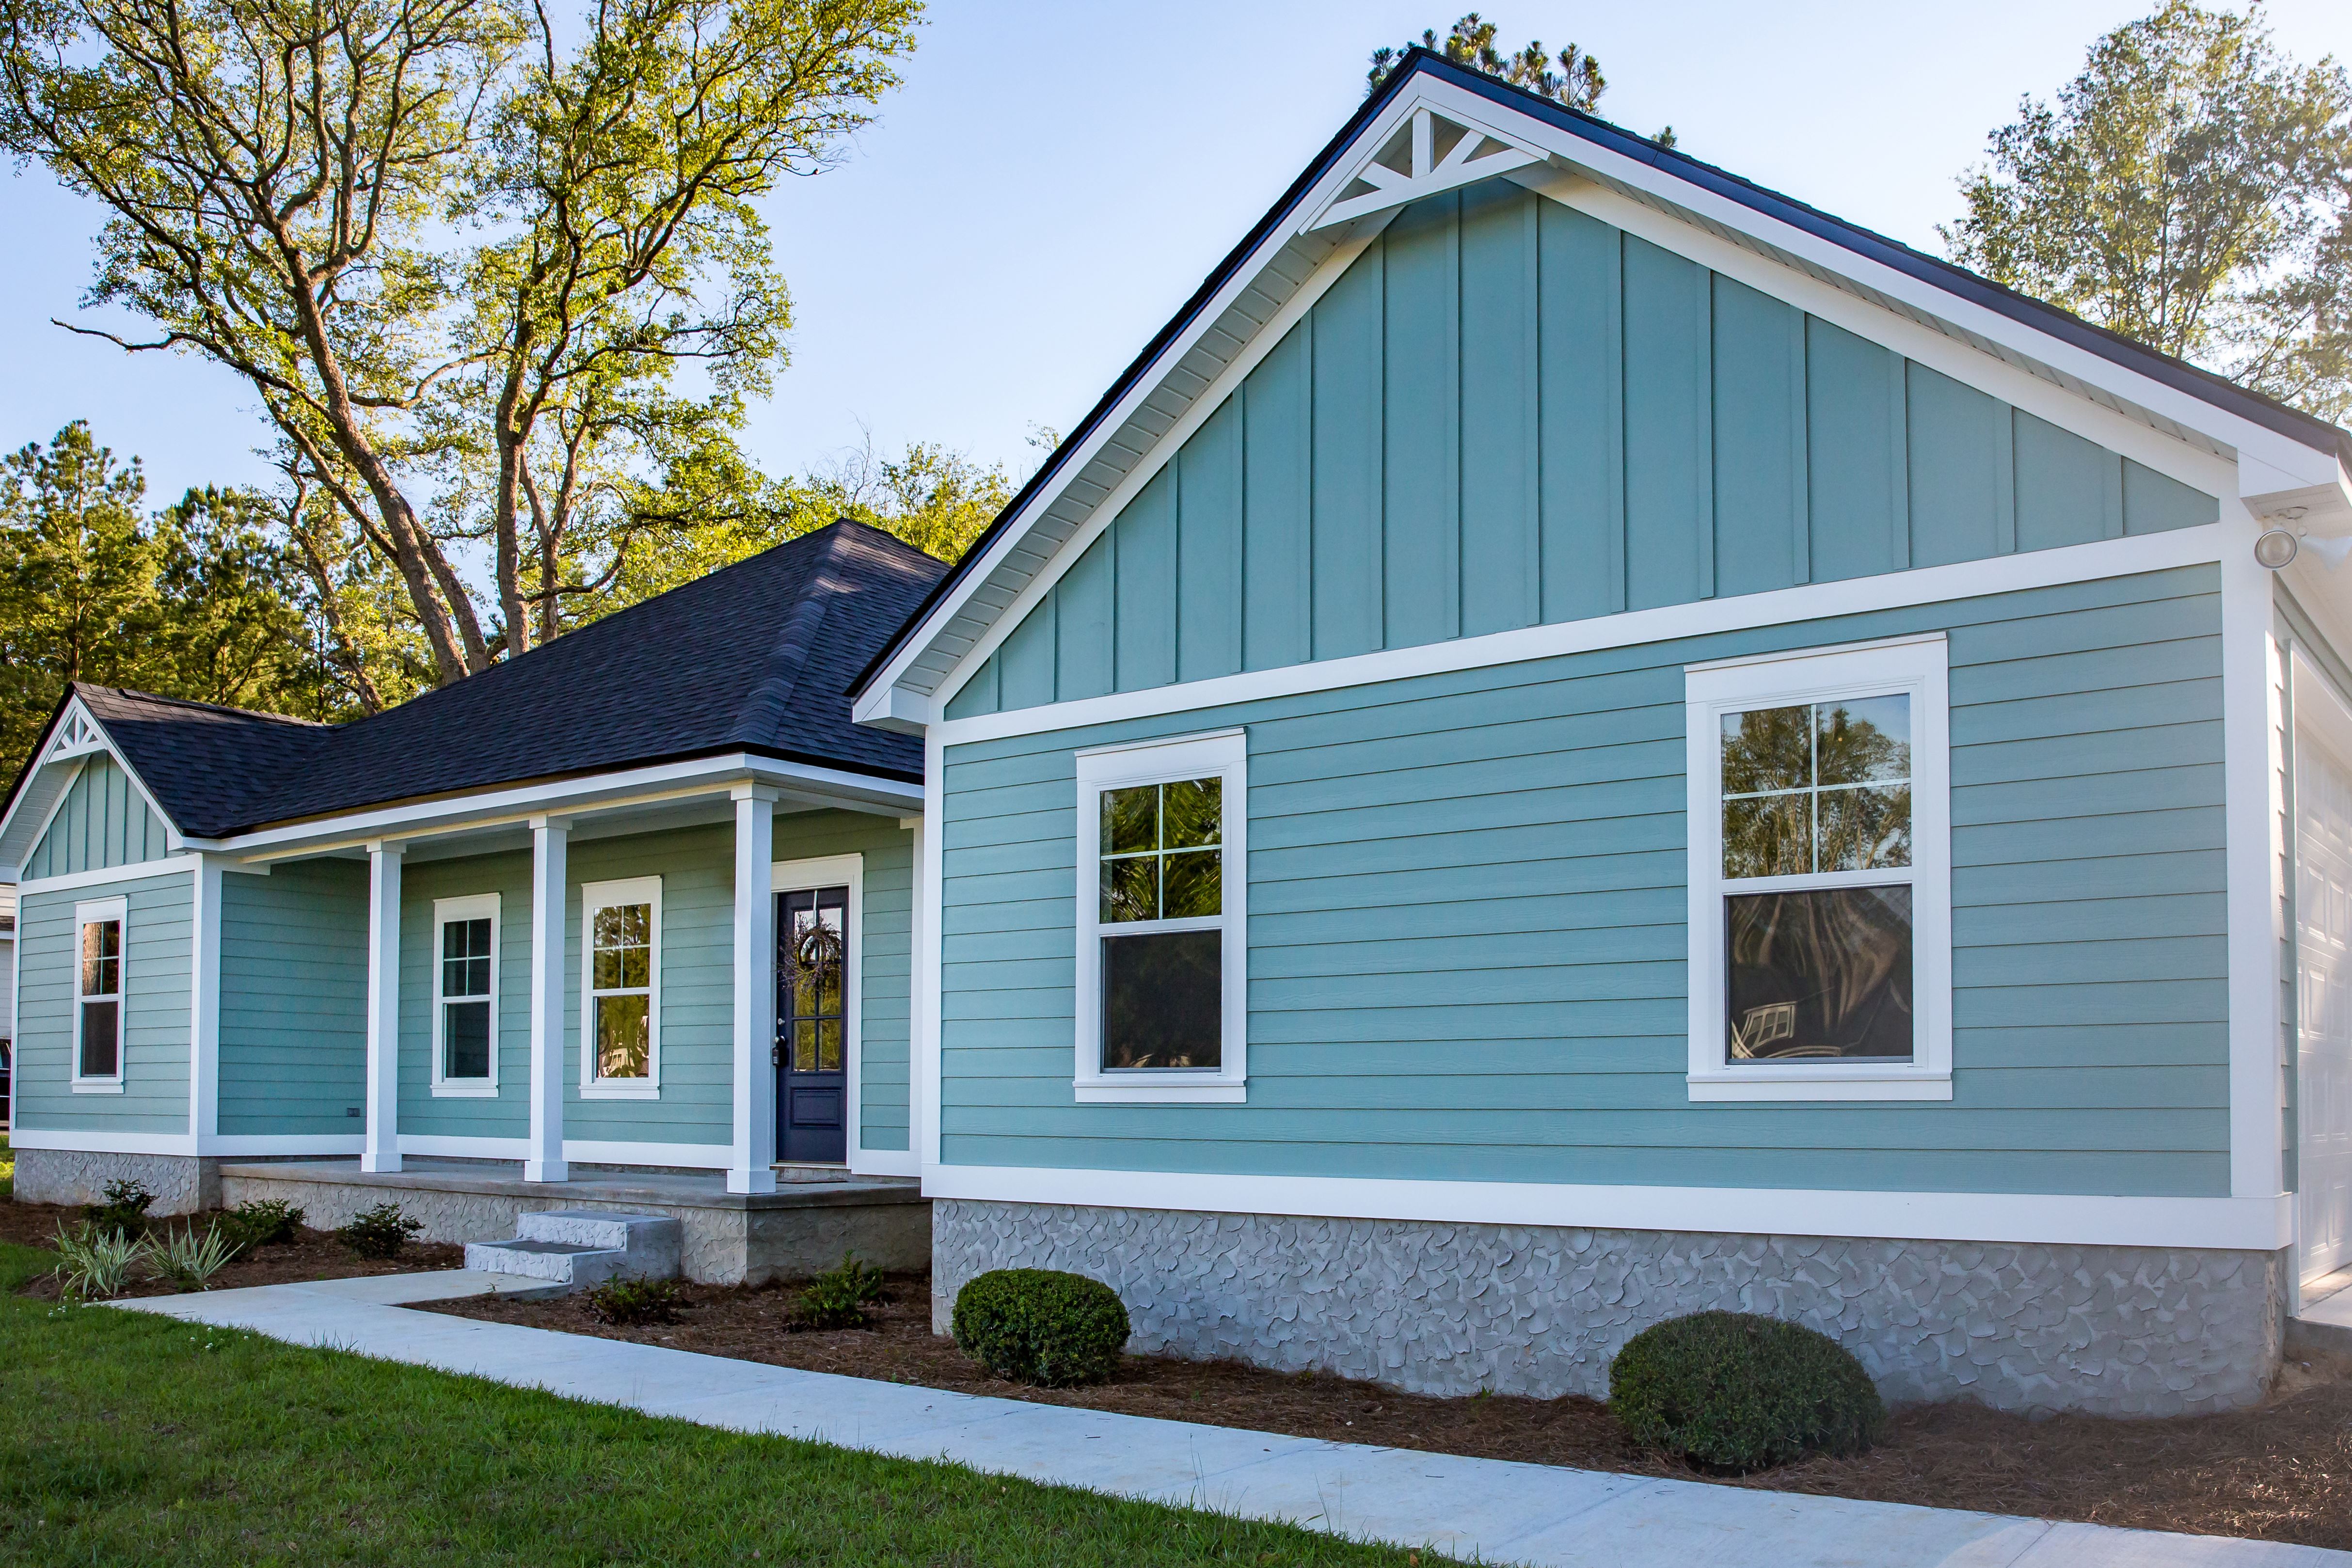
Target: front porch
[[800, 1228]]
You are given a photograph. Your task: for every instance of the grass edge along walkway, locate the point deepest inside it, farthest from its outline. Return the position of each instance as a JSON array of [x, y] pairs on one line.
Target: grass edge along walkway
[[141, 1439]]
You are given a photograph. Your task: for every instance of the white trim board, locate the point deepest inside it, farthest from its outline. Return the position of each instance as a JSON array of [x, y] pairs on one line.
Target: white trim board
[[1786, 606], [807, 875], [576, 1151], [2233, 1224], [137, 871]]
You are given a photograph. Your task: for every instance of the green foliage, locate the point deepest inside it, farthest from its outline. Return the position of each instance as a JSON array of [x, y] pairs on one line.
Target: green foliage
[[187, 1261], [1470, 42], [95, 1264], [123, 1211], [837, 1299], [1734, 1390], [264, 1222], [2192, 188], [378, 1233], [1041, 1326], [622, 1302]]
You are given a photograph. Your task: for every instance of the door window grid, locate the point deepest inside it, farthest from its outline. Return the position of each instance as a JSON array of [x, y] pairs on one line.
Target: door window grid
[[815, 955]]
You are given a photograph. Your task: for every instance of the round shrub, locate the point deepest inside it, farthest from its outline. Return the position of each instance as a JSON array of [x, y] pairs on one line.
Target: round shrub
[[1738, 1391], [1041, 1326]]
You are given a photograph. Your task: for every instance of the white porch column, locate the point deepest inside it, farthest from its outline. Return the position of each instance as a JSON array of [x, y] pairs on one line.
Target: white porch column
[[380, 1150], [752, 1168], [550, 853]]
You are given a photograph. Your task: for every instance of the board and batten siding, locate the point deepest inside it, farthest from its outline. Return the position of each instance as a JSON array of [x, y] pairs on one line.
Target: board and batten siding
[[103, 822], [293, 1000], [1506, 412], [156, 969], [1467, 926]]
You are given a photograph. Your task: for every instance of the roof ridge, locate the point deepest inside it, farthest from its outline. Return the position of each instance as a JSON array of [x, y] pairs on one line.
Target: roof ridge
[[199, 703]]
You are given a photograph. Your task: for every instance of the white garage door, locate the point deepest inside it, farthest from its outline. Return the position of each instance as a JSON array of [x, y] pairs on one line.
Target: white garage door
[[2322, 792]]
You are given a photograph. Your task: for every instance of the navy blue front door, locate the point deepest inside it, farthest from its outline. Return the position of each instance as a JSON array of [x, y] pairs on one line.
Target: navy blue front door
[[813, 1025]]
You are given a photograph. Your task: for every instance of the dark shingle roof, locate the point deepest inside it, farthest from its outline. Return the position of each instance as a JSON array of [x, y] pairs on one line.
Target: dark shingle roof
[[755, 657], [2163, 367]]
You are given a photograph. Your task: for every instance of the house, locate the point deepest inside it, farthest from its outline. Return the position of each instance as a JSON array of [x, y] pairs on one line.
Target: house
[[1577, 741], [622, 922]]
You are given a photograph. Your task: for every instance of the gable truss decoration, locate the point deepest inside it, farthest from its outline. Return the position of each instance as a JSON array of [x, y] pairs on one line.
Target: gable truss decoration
[[76, 736], [1429, 153]]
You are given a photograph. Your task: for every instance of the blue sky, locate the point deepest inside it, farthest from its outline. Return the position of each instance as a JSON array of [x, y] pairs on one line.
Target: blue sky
[[1056, 178]]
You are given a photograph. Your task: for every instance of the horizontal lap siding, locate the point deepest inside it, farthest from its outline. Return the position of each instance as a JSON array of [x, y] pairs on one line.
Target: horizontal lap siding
[[508, 1114], [1508, 413], [889, 855], [154, 1018], [103, 822], [1467, 943], [293, 1000]]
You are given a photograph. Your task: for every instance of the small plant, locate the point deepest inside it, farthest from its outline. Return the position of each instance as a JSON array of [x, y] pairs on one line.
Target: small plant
[[837, 1299], [635, 1302], [95, 1264], [124, 1210], [1041, 1326], [1736, 1392], [264, 1222], [186, 1261], [378, 1233]]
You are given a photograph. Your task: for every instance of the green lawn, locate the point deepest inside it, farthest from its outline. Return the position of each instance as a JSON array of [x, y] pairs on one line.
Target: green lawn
[[7, 1170], [133, 1439]]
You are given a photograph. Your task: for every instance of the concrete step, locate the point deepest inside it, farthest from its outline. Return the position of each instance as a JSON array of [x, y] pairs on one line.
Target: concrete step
[[575, 1249]]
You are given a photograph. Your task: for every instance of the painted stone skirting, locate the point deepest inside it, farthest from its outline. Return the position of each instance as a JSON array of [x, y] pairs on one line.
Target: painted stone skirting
[[1452, 1309], [182, 1183]]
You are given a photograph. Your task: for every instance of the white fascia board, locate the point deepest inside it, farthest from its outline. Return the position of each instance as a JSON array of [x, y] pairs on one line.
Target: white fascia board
[[598, 791], [2311, 465], [16, 843], [2056, 1220], [137, 871]]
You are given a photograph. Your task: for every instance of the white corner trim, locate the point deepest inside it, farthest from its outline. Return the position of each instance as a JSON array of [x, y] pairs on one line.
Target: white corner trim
[[204, 1000], [593, 896], [1787, 606], [2046, 1218], [1224, 755], [2254, 855], [930, 878]]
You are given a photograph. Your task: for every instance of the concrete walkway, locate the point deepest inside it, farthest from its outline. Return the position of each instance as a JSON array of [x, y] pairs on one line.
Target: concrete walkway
[[1484, 1510]]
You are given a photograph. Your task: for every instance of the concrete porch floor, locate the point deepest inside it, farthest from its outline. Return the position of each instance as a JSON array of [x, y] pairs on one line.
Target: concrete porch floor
[[731, 1238]]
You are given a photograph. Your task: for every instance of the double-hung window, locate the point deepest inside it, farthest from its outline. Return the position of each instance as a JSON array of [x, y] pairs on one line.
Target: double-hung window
[[1162, 928], [98, 948], [1821, 874], [620, 1008], [466, 995]]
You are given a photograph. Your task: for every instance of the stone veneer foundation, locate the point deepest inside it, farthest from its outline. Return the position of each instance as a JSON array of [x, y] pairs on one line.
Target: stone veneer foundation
[[1528, 1309], [182, 1183]]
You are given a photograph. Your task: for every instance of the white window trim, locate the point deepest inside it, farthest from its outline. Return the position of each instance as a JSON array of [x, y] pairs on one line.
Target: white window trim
[[116, 909], [1223, 755], [837, 871], [475, 907], [593, 896], [1920, 667]]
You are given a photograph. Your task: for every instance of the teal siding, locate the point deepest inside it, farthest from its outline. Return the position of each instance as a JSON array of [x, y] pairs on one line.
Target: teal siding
[[103, 822], [1467, 935], [507, 1114], [155, 1009], [293, 1000], [1508, 413]]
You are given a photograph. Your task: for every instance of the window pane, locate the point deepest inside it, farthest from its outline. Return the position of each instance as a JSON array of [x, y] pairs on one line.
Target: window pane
[[1195, 813], [805, 1048], [604, 970], [828, 1055], [1163, 1000], [608, 928], [1820, 975], [102, 1045], [1769, 835], [1766, 748], [1130, 819], [1130, 889], [1863, 740], [1194, 885], [1865, 829], [815, 957], [466, 1040], [623, 1048], [101, 959]]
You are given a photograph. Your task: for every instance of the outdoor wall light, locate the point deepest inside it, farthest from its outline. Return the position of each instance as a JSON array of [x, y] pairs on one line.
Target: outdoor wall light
[[2277, 547]]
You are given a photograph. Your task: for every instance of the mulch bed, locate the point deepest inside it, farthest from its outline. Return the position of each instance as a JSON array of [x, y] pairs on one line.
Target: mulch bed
[[311, 1255], [2282, 1471]]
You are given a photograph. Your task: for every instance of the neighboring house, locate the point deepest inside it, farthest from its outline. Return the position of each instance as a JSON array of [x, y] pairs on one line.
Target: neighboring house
[[1578, 741], [534, 916]]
